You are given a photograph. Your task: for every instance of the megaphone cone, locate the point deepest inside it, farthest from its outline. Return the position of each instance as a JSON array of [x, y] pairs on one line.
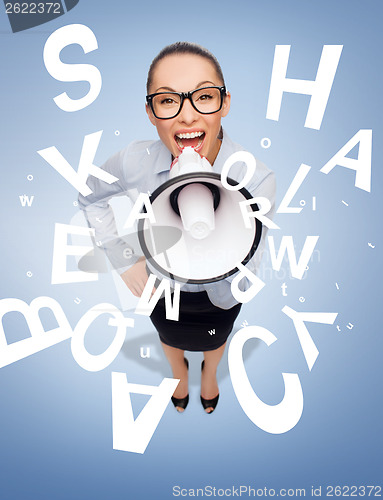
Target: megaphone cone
[[214, 236]]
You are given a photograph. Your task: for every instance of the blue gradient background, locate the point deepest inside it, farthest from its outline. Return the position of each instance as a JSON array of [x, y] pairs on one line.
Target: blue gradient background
[[55, 419]]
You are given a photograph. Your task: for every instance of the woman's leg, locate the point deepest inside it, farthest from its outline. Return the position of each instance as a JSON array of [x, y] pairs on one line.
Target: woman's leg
[[176, 360], [209, 385]]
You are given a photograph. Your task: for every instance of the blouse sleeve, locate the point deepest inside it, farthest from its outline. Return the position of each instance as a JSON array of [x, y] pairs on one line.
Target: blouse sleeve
[[99, 214]]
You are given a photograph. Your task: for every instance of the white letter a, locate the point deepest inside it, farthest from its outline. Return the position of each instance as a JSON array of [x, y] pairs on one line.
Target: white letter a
[[134, 435]]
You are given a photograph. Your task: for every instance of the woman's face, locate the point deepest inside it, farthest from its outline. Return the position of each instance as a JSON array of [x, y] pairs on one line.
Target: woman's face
[[183, 73]]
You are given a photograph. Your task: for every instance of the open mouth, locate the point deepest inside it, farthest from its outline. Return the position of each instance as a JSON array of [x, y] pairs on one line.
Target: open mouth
[[190, 139]]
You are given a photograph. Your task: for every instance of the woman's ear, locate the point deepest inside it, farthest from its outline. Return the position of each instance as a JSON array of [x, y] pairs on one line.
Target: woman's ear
[[150, 114], [226, 104]]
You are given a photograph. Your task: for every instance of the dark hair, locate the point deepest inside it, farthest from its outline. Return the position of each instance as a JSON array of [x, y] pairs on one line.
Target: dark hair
[[184, 48]]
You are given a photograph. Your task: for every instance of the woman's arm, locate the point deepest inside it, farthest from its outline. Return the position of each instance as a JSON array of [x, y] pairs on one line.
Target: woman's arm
[[100, 217]]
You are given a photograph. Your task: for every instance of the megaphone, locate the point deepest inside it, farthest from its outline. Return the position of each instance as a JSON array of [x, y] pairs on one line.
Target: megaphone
[[214, 237]]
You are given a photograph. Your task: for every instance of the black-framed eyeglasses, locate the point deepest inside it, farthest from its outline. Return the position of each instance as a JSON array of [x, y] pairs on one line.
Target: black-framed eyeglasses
[[167, 105]]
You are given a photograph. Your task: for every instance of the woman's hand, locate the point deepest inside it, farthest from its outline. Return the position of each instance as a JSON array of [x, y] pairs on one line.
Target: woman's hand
[[136, 277]]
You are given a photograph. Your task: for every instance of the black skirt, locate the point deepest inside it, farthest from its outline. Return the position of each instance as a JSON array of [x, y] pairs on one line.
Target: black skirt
[[201, 327]]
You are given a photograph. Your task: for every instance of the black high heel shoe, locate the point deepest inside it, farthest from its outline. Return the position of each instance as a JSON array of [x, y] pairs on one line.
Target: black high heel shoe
[[181, 402], [208, 403]]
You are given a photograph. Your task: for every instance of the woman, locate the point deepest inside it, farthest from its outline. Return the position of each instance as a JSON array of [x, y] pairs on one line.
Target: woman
[[186, 101]]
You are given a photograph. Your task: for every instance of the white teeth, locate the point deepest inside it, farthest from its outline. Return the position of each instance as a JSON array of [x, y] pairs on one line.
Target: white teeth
[[191, 135]]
